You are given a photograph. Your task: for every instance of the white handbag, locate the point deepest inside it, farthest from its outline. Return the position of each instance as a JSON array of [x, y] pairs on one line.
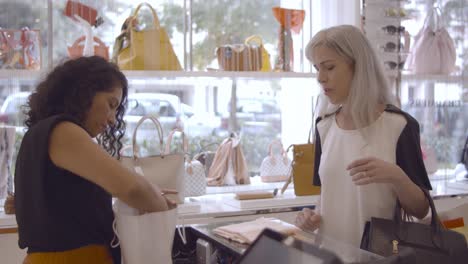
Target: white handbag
[[275, 167], [165, 170], [194, 179], [436, 41]]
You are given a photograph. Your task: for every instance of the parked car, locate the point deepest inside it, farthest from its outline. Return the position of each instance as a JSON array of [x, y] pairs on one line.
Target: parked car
[[170, 112], [255, 116]]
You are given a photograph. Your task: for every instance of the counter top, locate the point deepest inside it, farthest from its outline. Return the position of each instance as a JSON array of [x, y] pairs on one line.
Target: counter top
[[221, 205]]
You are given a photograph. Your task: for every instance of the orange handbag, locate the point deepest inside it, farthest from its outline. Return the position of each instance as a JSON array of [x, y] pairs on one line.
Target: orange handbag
[[76, 50]]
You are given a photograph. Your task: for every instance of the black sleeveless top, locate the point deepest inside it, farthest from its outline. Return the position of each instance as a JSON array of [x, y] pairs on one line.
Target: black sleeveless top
[[57, 210]]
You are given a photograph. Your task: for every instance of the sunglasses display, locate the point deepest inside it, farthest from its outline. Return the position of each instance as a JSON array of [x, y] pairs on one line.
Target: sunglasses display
[[391, 65], [392, 47], [391, 30]]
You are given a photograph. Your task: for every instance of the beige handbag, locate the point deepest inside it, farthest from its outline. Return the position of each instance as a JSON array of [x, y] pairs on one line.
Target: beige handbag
[[229, 166], [164, 170]]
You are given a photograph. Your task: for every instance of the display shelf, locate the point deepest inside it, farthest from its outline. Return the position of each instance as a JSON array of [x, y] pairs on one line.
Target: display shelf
[[21, 74], [454, 78], [217, 74], [33, 75]]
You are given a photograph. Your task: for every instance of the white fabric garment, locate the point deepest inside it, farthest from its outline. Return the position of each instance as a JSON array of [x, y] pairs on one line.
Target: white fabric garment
[[7, 144], [247, 232], [345, 207]]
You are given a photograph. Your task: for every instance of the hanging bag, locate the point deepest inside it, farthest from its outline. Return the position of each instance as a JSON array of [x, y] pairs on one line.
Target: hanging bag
[[275, 167], [76, 50], [148, 49], [431, 243], [194, 179], [164, 170], [433, 51]]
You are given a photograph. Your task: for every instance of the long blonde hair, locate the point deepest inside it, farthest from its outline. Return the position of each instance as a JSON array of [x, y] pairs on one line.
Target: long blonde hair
[[369, 86]]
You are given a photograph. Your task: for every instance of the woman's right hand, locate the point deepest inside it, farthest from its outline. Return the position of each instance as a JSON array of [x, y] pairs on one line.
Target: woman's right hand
[[308, 220]]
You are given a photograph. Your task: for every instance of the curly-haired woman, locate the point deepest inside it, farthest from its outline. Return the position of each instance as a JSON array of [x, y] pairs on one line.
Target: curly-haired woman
[[67, 169]]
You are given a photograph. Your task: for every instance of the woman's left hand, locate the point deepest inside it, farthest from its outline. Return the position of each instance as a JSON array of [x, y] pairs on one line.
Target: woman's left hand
[[372, 170]]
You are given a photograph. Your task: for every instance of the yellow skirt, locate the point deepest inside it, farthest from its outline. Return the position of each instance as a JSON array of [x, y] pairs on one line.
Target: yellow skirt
[[93, 254]]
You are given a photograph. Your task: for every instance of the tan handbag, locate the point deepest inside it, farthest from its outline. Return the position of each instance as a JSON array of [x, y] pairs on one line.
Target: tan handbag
[[148, 49], [76, 50], [239, 57], [164, 170], [229, 166], [257, 40]]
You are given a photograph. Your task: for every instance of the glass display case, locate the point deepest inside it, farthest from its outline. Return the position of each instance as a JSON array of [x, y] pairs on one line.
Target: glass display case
[[208, 103]]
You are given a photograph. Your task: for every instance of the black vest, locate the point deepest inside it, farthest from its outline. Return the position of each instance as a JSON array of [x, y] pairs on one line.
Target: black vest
[[57, 210]]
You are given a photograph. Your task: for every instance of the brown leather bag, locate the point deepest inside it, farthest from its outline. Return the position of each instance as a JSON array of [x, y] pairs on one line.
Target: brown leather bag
[[239, 57]]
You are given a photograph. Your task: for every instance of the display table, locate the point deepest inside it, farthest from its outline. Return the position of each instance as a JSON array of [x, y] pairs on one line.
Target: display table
[[227, 249]]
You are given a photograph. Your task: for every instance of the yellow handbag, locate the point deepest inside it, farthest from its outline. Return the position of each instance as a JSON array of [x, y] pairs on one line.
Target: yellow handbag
[[302, 172], [303, 169], [257, 40], [148, 49]]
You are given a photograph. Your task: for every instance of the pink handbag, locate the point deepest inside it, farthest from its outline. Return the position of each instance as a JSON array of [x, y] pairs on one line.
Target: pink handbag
[[433, 51], [229, 165], [76, 50], [275, 167]]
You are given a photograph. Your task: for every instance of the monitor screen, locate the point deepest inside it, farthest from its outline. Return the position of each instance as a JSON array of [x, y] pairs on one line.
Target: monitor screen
[[270, 247]]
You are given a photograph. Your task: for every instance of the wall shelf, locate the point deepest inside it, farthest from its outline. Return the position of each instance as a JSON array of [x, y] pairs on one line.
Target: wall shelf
[[35, 74], [217, 74]]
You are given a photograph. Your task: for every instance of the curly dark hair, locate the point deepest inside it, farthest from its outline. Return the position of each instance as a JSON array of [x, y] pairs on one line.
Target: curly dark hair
[[70, 88]]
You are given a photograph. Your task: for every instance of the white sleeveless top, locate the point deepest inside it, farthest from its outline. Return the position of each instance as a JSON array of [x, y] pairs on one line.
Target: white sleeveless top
[[345, 207]]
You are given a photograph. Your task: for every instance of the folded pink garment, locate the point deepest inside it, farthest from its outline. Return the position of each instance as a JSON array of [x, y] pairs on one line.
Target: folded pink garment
[[247, 232]]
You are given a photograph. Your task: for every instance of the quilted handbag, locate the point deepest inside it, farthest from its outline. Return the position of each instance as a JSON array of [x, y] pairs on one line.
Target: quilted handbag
[[431, 243], [275, 167], [165, 170], [148, 49], [257, 40], [206, 157], [194, 179]]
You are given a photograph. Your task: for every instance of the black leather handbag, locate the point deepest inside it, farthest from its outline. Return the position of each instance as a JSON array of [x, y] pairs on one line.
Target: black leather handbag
[[430, 243]]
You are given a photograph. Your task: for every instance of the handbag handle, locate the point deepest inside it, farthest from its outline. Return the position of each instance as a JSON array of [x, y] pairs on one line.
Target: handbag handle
[[169, 141], [277, 142], [82, 38], [433, 15], [158, 127], [155, 16], [254, 39], [436, 226]]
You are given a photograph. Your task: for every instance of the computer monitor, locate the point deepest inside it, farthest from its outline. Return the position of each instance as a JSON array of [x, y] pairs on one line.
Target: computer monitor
[[274, 248]]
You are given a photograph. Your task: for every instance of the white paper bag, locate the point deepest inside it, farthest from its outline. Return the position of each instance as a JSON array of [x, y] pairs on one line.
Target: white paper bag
[[144, 238]]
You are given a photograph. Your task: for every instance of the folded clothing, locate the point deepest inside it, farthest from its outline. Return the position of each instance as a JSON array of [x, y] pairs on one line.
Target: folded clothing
[[247, 232]]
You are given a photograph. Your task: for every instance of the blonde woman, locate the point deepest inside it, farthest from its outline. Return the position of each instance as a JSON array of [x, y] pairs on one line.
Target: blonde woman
[[368, 152]]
